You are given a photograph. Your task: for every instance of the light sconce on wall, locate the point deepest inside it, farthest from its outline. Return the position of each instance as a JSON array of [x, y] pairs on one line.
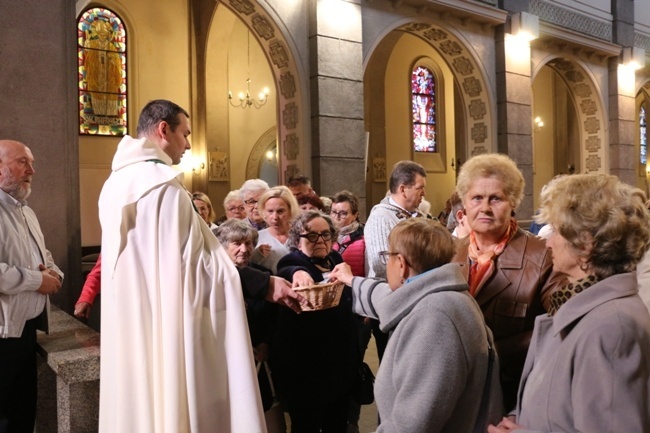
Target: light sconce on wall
[[539, 124], [197, 166], [524, 25], [633, 57]]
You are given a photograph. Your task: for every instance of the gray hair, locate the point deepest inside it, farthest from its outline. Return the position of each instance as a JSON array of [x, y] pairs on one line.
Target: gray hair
[[253, 185], [232, 195], [301, 223], [235, 230]]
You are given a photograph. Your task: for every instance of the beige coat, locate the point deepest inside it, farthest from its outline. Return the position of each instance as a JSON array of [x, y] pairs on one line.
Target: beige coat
[[587, 367]]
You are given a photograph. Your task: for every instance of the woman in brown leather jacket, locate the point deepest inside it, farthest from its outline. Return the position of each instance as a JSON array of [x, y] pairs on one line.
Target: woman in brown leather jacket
[[509, 270]]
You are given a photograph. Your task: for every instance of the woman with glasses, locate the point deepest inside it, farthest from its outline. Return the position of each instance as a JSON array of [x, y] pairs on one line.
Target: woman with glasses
[[278, 207], [438, 373], [314, 350], [349, 242], [234, 206]]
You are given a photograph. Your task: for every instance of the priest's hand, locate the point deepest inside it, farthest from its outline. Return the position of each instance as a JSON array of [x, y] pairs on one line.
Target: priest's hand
[[505, 426], [280, 292]]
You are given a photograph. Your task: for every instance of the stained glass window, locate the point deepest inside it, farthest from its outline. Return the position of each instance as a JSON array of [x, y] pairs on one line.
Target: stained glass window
[[423, 107], [643, 135], [101, 47]]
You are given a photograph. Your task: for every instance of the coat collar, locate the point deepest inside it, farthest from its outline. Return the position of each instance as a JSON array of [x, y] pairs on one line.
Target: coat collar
[[511, 258], [401, 302], [614, 287]]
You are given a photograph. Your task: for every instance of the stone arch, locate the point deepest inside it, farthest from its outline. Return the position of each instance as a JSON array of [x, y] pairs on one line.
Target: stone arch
[[593, 127], [473, 86], [256, 156], [284, 67]]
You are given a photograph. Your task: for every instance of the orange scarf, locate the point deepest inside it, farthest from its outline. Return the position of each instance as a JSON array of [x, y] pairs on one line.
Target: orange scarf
[[482, 266]]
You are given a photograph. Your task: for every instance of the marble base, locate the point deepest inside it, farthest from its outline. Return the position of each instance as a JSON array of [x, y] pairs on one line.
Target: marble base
[[68, 374]]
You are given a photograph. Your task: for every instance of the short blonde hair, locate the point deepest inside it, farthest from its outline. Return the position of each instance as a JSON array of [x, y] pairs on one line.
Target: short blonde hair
[[424, 243], [492, 165], [603, 219], [285, 194]]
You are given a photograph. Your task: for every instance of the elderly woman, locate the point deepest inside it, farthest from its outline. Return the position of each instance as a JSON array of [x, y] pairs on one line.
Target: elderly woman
[[278, 207], [438, 373], [509, 270], [587, 369], [233, 205], [204, 208], [238, 238], [314, 350], [250, 193]]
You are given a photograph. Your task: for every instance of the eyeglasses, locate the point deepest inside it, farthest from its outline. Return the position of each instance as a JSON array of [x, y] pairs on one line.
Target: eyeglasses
[[343, 214], [313, 237], [250, 202], [236, 208], [383, 256]]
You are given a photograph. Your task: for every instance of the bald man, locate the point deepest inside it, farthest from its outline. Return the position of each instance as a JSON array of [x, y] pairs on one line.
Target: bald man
[[27, 276]]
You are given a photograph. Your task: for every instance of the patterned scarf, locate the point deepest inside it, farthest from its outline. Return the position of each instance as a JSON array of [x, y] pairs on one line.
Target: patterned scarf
[[560, 296], [482, 266]]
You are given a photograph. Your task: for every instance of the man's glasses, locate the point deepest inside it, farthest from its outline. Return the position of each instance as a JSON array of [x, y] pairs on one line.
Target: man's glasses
[[313, 237], [250, 202], [342, 214], [236, 208], [383, 256]]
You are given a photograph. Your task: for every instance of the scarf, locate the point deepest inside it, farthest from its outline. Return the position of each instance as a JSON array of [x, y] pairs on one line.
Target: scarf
[[560, 296], [345, 236], [482, 262]]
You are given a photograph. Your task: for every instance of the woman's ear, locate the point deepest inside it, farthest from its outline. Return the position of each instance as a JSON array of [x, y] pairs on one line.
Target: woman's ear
[[404, 268]]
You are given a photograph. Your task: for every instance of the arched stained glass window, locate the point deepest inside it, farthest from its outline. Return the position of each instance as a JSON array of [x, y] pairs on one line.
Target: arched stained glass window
[[643, 135], [423, 108], [101, 47]]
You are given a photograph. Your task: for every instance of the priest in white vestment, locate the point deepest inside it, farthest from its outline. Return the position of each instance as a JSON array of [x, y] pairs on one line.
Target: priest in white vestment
[[175, 351]]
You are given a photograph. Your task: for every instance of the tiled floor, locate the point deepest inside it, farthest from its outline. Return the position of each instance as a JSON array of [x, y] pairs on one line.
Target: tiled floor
[[368, 419]]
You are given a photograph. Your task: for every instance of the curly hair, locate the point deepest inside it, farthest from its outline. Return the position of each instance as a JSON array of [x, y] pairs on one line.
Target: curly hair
[[347, 196], [604, 220], [302, 224], [492, 165]]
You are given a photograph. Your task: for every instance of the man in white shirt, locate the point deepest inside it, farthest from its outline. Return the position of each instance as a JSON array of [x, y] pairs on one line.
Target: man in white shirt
[[27, 276]]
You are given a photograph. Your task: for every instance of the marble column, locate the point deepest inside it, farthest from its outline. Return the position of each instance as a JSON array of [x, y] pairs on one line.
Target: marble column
[[514, 108], [38, 76], [623, 157]]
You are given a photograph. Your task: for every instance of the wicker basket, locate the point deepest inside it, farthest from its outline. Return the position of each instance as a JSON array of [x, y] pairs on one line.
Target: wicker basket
[[321, 296]]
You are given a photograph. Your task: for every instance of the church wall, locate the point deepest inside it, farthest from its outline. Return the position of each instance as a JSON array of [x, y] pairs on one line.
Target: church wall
[[157, 67], [398, 116]]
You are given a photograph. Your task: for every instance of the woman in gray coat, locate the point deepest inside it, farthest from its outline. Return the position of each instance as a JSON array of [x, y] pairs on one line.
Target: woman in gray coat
[[587, 368], [436, 374]]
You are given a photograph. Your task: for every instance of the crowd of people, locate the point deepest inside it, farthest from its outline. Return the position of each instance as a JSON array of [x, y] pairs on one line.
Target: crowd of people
[[480, 326]]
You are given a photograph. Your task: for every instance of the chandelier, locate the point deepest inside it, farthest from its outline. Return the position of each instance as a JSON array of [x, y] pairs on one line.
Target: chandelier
[[244, 99]]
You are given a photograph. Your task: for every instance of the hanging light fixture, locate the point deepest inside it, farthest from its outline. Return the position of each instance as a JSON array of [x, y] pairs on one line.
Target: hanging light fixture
[[244, 99]]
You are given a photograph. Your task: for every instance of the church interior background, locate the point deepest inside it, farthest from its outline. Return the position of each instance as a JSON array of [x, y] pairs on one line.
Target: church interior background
[[559, 86]]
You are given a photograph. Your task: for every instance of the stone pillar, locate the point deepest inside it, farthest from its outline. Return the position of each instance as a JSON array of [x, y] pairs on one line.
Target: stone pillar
[[38, 73], [623, 157], [336, 65], [514, 109]]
